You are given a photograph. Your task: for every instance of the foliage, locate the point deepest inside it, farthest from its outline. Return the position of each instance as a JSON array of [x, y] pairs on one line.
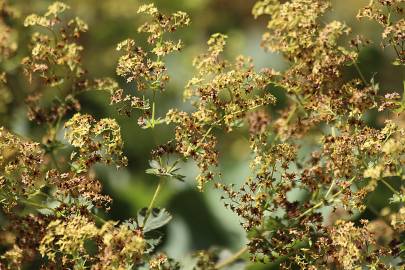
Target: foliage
[[51, 196]]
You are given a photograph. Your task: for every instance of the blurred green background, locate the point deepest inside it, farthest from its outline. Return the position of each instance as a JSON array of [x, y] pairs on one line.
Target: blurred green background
[[200, 219]]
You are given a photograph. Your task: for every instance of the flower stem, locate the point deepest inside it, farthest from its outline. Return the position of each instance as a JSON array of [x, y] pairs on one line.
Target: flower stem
[[55, 162], [100, 219], [231, 259], [330, 189], [153, 111], [360, 73], [389, 186], [36, 205], [152, 202], [325, 200]]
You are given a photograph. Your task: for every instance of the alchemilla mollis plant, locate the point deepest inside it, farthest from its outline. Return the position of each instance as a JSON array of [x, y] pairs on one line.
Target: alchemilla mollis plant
[[51, 198]]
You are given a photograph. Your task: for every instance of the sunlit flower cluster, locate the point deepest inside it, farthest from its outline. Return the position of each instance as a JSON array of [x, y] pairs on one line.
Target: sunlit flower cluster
[[315, 162]]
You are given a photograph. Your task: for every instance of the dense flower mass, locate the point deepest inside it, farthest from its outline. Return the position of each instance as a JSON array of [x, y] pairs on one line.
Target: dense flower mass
[[316, 141], [222, 94], [146, 68], [21, 162], [95, 141]]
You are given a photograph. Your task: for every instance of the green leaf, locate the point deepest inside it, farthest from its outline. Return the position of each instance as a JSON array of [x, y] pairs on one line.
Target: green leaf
[[151, 124], [154, 164], [157, 219], [152, 243], [169, 171], [397, 198]]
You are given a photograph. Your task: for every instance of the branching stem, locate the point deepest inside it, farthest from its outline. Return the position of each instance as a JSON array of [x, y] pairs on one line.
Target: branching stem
[[316, 206]]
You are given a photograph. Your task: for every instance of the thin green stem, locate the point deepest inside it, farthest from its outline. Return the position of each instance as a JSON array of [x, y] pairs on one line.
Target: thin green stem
[[152, 120], [36, 205], [57, 125], [300, 103], [55, 162], [388, 136], [360, 73], [291, 114], [330, 189], [154, 89], [218, 122], [153, 113], [389, 186], [231, 259], [54, 131], [100, 219], [333, 131], [396, 51], [316, 206], [152, 202]]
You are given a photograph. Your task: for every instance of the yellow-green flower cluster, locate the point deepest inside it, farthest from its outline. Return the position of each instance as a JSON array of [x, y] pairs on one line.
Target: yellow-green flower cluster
[[222, 94], [315, 163], [389, 14], [118, 247], [94, 141], [21, 164], [121, 247], [146, 68], [67, 238], [55, 60]]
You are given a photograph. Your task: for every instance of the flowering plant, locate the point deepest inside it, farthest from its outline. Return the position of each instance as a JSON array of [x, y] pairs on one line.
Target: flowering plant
[[52, 200]]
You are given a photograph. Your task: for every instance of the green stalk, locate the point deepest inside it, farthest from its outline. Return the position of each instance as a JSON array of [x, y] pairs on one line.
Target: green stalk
[[360, 73], [36, 205], [153, 111], [316, 206], [152, 202], [389, 186], [231, 259]]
